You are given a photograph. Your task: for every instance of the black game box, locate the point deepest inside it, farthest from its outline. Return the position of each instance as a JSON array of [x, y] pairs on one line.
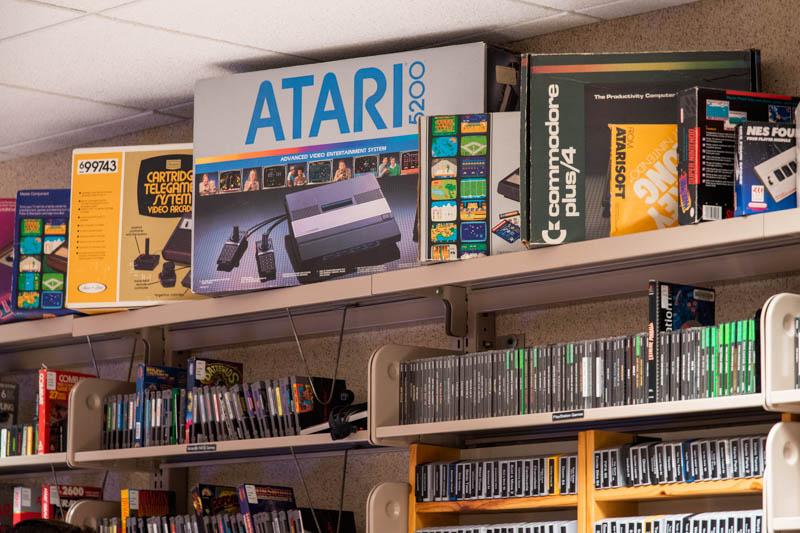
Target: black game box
[[707, 145]]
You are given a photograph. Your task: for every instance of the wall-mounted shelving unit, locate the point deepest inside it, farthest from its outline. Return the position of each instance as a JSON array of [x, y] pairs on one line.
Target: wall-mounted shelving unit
[[714, 251], [85, 439]]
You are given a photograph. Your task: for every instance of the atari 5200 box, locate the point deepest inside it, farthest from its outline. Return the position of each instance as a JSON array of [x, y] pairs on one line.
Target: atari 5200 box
[[310, 173]]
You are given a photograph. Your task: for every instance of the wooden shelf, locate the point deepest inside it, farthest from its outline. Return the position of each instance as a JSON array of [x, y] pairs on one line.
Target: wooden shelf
[[535, 503], [699, 489]]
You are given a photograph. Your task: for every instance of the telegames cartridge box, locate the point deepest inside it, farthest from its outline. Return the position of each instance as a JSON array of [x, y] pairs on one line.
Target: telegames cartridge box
[[7, 213], [41, 244], [310, 172], [469, 186], [132, 217], [707, 145], [568, 102], [766, 167]]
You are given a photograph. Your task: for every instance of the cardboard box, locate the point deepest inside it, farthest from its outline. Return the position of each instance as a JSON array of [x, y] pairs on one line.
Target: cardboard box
[[52, 409], [41, 244], [766, 168], [568, 101], [310, 172], [707, 145], [132, 209], [7, 213], [27, 504], [469, 186], [64, 497]]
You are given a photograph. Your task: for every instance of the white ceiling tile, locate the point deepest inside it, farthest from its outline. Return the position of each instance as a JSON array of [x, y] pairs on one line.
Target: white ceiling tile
[[312, 28], [122, 63], [32, 114], [17, 16], [626, 8], [185, 110], [525, 30], [90, 134], [89, 6]]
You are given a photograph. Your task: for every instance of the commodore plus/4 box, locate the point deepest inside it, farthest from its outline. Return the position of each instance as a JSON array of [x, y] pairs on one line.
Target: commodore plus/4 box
[[309, 173]]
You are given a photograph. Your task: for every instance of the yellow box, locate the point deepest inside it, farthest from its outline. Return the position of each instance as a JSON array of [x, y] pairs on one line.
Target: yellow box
[[643, 177], [131, 222]]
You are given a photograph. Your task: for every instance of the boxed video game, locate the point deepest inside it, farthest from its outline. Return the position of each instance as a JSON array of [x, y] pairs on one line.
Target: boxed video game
[[53, 397], [9, 404], [707, 145], [672, 307], [27, 504], [766, 168], [469, 186], [310, 172], [568, 102], [64, 497], [143, 503], [254, 500], [210, 500], [132, 206], [41, 244], [643, 177], [153, 378], [8, 212]]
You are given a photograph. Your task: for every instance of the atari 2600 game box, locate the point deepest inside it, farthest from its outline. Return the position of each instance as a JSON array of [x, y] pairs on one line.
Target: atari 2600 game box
[[310, 172]]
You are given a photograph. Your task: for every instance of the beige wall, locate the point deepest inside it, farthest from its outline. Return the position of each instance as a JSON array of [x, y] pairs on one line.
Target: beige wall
[[709, 24]]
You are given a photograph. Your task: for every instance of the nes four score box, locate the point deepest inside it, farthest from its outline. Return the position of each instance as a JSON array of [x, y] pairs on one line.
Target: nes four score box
[[310, 172]]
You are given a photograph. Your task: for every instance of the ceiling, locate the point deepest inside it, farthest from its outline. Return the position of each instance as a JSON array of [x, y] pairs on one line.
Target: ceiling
[[76, 71]]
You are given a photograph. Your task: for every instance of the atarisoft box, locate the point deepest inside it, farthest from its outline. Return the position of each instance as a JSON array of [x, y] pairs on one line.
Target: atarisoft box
[[41, 244], [132, 217], [707, 145], [7, 213], [766, 168], [568, 102], [310, 172], [469, 186]]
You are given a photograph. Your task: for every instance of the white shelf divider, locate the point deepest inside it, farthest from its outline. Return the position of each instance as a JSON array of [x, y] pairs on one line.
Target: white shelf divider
[[778, 340], [383, 407], [87, 513], [387, 508], [782, 478]]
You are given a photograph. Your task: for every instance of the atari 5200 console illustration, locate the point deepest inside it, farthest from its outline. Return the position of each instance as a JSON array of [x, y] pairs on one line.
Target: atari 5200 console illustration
[[340, 219]]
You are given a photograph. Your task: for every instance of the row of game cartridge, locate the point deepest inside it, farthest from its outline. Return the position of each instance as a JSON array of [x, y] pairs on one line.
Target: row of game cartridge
[[750, 521], [653, 462], [265, 522], [266, 408], [496, 478], [562, 526], [699, 362]]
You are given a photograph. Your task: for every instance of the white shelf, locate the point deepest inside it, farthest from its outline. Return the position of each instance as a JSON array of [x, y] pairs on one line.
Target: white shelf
[[791, 523], [703, 253], [26, 464], [179, 455], [600, 414]]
